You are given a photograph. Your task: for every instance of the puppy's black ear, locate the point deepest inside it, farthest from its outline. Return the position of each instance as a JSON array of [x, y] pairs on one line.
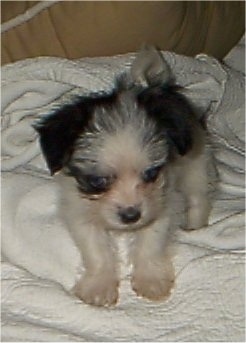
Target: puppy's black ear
[[173, 114], [58, 132]]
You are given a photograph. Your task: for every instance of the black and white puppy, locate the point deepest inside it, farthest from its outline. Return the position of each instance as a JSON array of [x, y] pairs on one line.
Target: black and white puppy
[[117, 158]]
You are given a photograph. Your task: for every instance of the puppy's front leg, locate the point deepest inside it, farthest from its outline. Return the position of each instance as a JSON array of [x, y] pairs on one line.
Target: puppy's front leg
[[99, 285], [153, 273]]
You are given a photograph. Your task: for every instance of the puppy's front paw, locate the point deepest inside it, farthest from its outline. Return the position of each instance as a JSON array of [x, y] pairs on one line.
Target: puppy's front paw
[[99, 290], [154, 282]]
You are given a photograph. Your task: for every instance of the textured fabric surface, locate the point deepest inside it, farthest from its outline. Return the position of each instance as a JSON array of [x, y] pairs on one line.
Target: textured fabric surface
[[75, 29], [40, 261]]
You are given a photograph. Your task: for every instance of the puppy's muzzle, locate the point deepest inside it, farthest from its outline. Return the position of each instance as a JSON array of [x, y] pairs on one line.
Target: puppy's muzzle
[[129, 214]]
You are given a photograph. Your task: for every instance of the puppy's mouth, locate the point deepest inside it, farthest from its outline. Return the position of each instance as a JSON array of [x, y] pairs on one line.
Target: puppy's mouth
[[130, 227]]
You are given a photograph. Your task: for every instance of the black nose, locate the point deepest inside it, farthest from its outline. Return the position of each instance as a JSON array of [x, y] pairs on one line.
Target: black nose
[[129, 214]]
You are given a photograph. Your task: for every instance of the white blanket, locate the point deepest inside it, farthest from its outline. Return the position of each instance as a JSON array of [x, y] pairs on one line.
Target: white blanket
[[41, 263]]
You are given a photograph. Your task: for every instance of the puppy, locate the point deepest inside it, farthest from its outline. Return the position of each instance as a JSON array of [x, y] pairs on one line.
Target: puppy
[[118, 158]]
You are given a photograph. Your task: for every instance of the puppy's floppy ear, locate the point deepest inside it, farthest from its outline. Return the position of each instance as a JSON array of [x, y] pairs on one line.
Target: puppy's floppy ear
[[173, 114], [150, 68], [162, 99], [58, 132]]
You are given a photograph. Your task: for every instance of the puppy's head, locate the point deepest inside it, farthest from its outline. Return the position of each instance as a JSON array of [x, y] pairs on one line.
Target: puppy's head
[[118, 146]]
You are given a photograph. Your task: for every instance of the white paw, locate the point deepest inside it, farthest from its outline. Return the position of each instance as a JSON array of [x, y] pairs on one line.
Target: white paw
[[99, 290], [196, 219], [197, 216], [154, 282]]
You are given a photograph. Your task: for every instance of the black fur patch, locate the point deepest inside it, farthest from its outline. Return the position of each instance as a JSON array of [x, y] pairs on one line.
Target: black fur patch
[[170, 109], [59, 130], [172, 112]]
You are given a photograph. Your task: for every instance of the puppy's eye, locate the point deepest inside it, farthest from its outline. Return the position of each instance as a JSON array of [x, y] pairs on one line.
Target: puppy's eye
[[151, 174], [98, 183], [90, 183]]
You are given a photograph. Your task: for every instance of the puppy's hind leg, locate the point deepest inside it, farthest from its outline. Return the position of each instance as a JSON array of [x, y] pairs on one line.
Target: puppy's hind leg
[[194, 186]]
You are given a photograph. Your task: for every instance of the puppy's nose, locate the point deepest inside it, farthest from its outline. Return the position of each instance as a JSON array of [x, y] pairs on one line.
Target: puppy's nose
[[129, 214]]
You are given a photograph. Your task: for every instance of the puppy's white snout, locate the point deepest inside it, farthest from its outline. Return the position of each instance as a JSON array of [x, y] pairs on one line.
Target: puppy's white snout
[[129, 214]]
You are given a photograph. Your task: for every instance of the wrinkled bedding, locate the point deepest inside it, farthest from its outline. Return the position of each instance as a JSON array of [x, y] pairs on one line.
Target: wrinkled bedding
[[40, 262]]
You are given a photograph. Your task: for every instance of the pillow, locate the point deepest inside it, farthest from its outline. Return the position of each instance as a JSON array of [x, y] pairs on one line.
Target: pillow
[[75, 29]]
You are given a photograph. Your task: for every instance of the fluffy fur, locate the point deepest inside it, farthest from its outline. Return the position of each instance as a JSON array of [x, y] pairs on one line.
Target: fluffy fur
[[117, 158]]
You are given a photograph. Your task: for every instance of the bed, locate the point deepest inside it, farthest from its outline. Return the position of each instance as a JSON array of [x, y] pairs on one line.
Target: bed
[[40, 262]]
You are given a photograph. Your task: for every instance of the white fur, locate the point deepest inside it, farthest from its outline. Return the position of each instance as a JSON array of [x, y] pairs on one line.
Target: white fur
[[123, 142], [90, 221]]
